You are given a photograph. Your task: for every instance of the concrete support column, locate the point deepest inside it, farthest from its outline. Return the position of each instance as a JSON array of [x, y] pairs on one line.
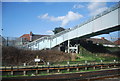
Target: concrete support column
[[68, 46]]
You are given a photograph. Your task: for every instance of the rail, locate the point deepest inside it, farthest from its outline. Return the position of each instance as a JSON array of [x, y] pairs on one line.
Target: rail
[[39, 70]]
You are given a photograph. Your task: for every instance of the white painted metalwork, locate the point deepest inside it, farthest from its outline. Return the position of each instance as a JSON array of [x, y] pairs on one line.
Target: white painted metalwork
[[103, 21]]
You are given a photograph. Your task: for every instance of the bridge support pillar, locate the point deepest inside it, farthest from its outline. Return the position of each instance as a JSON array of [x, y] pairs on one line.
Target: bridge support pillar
[[68, 46]]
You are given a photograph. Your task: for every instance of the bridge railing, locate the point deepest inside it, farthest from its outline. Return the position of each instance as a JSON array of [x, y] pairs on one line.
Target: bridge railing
[[80, 25]]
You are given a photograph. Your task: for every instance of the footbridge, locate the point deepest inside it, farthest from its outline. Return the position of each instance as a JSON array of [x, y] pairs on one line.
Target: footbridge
[[103, 23]]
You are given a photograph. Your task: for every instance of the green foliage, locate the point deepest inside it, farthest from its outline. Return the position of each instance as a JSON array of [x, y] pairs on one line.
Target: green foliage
[[57, 30], [85, 55]]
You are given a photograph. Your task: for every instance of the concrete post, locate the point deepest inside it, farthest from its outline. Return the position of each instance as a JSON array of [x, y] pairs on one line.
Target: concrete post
[[36, 72], [24, 72], [77, 69], [68, 66], [114, 63], [94, 67], [48, 67], [48, 70], [86, 64], [11, 72], [37, 62], [101, 65], [58, 68], [68, 69], [108, 66]]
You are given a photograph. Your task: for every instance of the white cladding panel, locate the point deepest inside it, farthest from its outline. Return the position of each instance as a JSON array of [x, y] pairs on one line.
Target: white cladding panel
[[119, 16], [72, 34], [65, 36], [106, 21], [60, 39], [53, 42]]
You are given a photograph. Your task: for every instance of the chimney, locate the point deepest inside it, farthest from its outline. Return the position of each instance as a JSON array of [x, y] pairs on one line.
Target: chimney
[[102, 38], [31, 33], [31, 36]]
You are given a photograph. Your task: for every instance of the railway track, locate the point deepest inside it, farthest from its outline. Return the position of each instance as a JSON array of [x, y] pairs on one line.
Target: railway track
[[56, 67], [81, 76], [54, 73]]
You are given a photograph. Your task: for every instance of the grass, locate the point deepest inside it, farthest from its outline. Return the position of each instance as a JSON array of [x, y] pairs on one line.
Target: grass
[[95, 57]]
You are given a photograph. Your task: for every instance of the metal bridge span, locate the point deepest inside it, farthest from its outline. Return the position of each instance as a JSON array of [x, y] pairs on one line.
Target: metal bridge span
[[105, 22]]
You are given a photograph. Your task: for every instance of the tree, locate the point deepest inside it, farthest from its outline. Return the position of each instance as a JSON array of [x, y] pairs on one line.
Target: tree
[[58, 29]]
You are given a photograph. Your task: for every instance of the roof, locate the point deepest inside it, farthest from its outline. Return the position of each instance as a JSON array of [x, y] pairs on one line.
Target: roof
[[26, 36], [117, 42], [34, 36], [100, 41]]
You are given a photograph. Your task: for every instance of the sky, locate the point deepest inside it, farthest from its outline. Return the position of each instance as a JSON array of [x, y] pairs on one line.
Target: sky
[[20, 18]]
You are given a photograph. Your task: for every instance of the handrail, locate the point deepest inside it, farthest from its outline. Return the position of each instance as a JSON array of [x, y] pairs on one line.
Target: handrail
[[85, 22]]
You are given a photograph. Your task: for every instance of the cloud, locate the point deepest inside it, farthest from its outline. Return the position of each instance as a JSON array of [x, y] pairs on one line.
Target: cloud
[[49, 32], [77, 6], [96, 7], [70, 16]]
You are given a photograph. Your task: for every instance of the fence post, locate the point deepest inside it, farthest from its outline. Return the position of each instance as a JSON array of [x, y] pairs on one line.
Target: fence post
[[24, 73], [94, 66], [68, 66], [114, 63], [77, 69], [58, 68], [101, 63], [86, 65], [37, 70], [108, 66], [11, 70], [48, 67]]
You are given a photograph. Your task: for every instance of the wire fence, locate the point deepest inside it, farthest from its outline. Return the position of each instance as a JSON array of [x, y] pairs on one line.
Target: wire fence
[[12, 41]]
